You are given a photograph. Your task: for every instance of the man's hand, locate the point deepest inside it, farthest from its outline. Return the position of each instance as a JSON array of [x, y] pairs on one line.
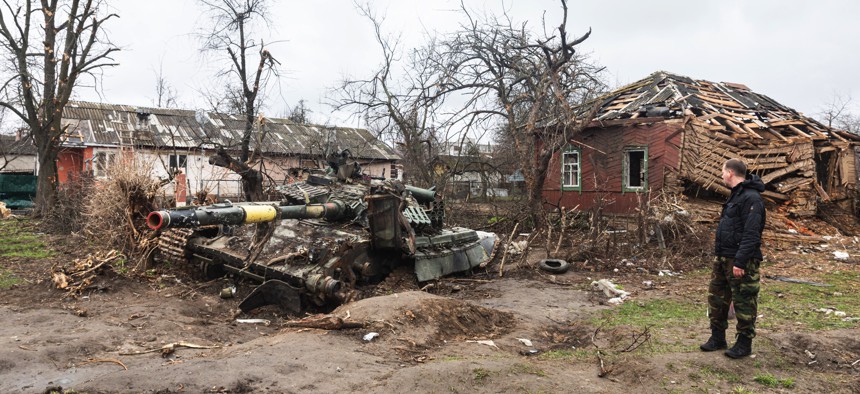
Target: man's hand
[[738, 272]]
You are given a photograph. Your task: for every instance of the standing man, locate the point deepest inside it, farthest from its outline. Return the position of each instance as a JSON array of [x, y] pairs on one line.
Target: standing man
[[735, 275]]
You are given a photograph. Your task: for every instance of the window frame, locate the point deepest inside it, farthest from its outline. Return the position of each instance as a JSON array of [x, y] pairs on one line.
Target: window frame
[[565, 152], [178, 160], [625, 169], [102, 162]]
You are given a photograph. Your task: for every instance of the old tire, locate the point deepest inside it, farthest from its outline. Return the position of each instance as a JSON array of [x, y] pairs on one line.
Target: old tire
[[554, 266]]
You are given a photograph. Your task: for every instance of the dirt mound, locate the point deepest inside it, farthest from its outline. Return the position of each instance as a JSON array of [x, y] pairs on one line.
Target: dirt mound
[[423, 320], [825, 350]]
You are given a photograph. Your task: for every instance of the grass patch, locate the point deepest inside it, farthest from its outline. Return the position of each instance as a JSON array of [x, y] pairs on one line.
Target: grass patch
[[527, 369], [18, 240], [792, 304], [7, 279], [480, 374], [659, 313], [742, 390], [773, 382], [720, 374]]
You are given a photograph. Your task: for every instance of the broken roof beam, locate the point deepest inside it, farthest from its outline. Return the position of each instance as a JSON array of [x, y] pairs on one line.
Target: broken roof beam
[[787, 170], [712, 100], [738, 129]]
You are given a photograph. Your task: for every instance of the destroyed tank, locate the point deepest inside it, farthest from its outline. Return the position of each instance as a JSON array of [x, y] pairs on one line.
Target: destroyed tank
[[326, 242]]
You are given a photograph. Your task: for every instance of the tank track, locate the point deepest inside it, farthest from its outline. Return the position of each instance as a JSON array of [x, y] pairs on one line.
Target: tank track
[[172, 245]]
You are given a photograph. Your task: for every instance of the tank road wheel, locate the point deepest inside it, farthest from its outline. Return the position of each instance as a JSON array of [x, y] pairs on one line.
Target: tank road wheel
[[212, 270], [554, 266]]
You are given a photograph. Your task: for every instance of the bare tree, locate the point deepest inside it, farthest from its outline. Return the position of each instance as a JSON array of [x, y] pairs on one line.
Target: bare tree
[[165, 94], [537, 88], [231, 29], [47, 57], [395, 102], [837, 114], [300, 114]]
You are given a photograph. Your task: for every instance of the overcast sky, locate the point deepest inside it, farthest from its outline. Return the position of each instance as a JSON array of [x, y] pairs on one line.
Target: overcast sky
[[800, 53]]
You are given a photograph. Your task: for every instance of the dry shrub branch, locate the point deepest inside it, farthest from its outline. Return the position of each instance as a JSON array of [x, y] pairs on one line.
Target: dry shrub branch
[[116, 207]]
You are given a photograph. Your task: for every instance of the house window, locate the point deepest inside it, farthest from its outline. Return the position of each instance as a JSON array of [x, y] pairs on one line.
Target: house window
[[102, 162], [178, 162], [393, 171], [635, 169], [571, 175]]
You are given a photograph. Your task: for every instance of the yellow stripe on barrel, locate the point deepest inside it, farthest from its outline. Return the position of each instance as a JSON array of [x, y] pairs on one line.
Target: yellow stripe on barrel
[[259, 213]]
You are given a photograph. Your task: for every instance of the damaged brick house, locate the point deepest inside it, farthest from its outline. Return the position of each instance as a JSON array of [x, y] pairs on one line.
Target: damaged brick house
[[672, 133], [183, 139]]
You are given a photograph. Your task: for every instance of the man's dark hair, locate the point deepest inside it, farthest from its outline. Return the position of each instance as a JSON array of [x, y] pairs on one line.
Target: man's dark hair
[[737, 166]]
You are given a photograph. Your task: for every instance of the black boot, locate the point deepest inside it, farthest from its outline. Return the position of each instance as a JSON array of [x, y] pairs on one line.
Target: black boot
[[742, 348], [717, 341]]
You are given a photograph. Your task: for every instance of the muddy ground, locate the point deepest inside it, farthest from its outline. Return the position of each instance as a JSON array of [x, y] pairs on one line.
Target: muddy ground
[[110, 338]]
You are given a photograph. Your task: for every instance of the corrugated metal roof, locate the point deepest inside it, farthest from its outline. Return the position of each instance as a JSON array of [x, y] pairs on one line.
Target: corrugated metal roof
[[111, 124]]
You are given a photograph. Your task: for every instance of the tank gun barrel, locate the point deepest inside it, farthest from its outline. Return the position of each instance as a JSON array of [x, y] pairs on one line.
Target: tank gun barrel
[[247, 213]]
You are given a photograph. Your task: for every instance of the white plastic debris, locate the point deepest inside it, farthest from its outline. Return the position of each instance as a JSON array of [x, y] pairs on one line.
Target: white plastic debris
[[369, 337], [840, 255], [485, 342], [839, 314], [810, 354], [525, 341], [254, 321], [611, 290]]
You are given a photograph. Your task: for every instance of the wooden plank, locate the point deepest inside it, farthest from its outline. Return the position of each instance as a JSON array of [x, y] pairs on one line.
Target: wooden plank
[[775, 195], [787, 170], [749, 130], [787, 122], [769, 151], [798, 131], [821, 192], [731, 104], [708, 116]]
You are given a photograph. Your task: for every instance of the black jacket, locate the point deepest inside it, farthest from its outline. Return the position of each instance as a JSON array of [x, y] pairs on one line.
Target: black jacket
[[741, 223]]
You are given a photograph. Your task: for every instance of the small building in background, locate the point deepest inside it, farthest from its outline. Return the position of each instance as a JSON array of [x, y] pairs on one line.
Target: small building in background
[[177, 140], [670, 133]]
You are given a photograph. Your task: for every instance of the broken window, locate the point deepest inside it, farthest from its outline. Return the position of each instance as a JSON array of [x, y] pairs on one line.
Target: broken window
[[635, 169], [178, 162], [393, 171], [570, 169], [102, 162]]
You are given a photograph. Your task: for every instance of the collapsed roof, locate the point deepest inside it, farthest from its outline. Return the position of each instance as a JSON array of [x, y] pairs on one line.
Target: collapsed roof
[[731, 109]]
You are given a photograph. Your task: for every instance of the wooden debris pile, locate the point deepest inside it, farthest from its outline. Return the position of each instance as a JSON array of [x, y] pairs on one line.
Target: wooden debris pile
[[81, 273]]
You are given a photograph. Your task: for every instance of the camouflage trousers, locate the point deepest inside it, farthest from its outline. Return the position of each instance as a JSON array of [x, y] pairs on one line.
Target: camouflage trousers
[[725, 289]]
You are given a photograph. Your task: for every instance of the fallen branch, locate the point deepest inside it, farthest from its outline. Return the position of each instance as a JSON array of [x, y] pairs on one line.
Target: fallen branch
[[168, 349], [105, 360], [505, 255], [638, 340], [327, 322], [603, 371]]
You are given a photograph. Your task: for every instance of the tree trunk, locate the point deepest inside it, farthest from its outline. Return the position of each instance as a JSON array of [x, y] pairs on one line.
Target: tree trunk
[[252, 180], [46, 184]]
